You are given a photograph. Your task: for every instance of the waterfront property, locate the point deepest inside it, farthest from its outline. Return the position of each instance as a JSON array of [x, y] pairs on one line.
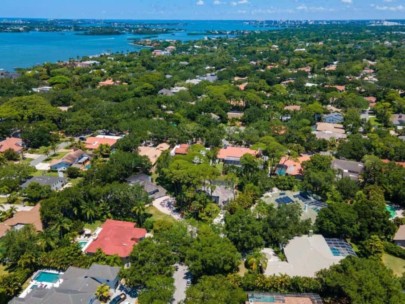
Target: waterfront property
[[76, 285]]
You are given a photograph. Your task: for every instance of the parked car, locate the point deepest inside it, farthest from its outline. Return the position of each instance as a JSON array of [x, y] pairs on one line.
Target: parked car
[[118, 299]]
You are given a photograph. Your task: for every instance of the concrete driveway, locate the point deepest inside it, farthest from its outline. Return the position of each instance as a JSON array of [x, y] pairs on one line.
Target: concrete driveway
[[159, 204], [181, 279]]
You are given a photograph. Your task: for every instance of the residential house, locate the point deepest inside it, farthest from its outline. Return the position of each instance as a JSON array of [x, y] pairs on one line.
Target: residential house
[[235, 115], [21, 219], [78, 285], [291, 166], [340, 88], [180, 150], [13, 143], [145, 181], [70, 159], [165, 92], [109, 82], [220, 193], [329, 130], [117, 238], [56, 183], [308, 254], [232, 155], [153, 153], [372, 101], [348, 168], [398, 119], [292, 108], [399, 237], [333, 118], [43, 89], [93, 143]]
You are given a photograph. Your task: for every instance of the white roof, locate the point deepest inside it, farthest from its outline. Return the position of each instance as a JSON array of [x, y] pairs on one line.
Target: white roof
[[306, 255]]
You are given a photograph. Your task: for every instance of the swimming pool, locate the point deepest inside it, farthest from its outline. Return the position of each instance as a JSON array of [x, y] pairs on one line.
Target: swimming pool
[[262, 299], [83, 244], [391, 210], [47, 277]]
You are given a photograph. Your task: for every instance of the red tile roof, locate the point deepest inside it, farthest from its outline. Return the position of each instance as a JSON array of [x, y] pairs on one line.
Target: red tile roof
[[294, 167], [235, 152], [11, 143], [93, 143], [182, 149], [117, 237]]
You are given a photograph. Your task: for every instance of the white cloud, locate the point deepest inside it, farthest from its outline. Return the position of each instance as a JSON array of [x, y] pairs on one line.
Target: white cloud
[[217, 2], [200, 2], [347, 1], [235, 3], [313, 9], [398, 8]]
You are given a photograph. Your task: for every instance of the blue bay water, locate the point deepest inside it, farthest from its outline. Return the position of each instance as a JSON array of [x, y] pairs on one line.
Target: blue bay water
[[22, 50]]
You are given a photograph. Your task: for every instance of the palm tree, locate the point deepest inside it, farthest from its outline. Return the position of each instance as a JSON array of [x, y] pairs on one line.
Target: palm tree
[[103, 293], [256, 262], [89, 211], [139, 210], [62, 226]]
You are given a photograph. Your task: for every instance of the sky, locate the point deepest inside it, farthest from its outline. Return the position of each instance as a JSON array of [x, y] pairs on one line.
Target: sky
[[205, 9]]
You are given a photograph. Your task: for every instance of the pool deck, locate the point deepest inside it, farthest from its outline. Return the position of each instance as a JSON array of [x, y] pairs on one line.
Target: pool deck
[[41, 284]]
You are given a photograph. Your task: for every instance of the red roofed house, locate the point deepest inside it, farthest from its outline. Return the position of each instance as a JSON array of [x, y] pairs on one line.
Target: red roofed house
[[181, 149], [12, 143], [232, 155], [117, 238], [371, 100], [108, 82], [93, 143], [292, 167]]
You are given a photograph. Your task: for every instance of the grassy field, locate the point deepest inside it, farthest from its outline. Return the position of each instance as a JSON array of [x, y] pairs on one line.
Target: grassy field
[[396, 264], [157, 215]]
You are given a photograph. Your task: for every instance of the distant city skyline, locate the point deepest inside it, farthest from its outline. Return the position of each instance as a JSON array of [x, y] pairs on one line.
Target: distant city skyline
[[205, 9]]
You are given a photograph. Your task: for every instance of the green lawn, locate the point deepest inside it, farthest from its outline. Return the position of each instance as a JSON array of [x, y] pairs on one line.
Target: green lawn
[[396, 264], [157, 215], [41, 173], [93, 226]]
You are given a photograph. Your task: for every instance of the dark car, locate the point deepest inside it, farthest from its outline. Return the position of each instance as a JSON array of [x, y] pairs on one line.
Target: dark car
[[119, 299]]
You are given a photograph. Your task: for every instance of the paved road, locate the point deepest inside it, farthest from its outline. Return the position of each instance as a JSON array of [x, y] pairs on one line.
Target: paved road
[[40, 159], [180, 283]]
